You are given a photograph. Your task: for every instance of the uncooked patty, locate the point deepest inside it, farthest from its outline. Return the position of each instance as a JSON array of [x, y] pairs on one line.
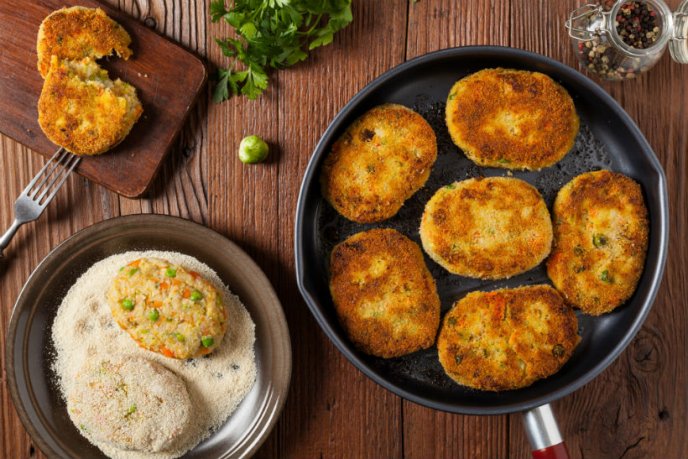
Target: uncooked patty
[[77, 32], [600, 240], [131, 403], [381, 160], [167, 309], [487, 228], [513, 119], [507, 339], [84, 111], [384, 294]]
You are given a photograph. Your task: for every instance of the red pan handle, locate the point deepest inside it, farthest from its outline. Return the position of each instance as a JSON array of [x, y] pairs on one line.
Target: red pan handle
[[543, 434]]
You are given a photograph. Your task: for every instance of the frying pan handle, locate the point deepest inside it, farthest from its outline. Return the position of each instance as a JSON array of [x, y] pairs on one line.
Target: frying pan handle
[[543, 434]]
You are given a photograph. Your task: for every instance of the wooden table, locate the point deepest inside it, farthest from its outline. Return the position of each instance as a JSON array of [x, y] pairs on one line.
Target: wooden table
[[636, 408]]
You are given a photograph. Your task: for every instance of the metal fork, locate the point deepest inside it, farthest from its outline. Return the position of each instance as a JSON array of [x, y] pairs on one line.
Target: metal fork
[[40, 191]]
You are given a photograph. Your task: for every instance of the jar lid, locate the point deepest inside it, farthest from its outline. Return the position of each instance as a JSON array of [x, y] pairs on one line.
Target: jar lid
[[678, 44]]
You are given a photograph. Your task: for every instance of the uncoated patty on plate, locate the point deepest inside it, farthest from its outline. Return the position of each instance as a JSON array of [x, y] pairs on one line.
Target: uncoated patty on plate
[[508, 338], [600, 240], [381, 160], [167, 309], [384, 294], [513, 119], [487, 228]]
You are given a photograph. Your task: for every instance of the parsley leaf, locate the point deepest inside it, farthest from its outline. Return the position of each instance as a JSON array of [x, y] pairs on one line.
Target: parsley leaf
[[272, 34]]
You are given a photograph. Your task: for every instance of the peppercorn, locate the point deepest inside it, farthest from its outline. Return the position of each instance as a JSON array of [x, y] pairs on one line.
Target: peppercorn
[[636, 24]]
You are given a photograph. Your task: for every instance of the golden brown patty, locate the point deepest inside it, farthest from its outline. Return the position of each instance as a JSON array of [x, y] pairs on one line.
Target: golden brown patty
[[381, 160], [507, 339], [167, 309], [384, 294], [600, 240], [511, 118], [489, 228], [77, 32], [81, 109]]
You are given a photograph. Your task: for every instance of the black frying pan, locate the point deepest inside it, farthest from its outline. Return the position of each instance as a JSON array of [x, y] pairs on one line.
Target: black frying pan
[[608, 139]]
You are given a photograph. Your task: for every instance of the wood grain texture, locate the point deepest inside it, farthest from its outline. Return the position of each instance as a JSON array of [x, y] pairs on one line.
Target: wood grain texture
[[130, 166], [180, 189], [636, 408], [429, 433], [327, 393]]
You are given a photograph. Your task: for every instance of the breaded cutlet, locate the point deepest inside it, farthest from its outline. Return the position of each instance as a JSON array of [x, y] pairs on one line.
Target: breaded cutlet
[[383, 293], [487, 228], [78, 32], [507, 339], [600, 240], [512, 119], [381, 160]]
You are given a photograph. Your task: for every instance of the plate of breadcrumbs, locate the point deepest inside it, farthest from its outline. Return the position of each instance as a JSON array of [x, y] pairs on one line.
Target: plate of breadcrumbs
[[148, 337]]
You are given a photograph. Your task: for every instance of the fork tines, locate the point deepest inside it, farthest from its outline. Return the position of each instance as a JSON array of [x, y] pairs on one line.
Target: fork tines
[[50, 178]]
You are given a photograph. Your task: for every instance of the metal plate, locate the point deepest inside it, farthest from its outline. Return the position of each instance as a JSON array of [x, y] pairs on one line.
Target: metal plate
[[29, 347], [608, 139]]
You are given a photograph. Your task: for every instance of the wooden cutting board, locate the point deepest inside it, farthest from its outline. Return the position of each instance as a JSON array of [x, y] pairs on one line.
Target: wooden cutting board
[[167, 77]]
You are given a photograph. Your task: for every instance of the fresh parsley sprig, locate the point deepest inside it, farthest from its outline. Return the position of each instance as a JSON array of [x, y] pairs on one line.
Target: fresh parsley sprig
[[272, 34]]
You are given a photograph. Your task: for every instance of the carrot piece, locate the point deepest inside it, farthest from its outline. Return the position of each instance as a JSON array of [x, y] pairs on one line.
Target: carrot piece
[[135, 263], [164, 285], [186, 293], [166, 352], [194, 274], [157, 304]]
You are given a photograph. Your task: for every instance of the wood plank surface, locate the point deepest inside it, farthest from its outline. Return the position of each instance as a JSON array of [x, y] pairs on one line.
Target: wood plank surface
[[637, 408]]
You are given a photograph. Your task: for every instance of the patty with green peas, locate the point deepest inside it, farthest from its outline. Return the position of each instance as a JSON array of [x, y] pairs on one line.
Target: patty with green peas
[[168, 309], [601, 233]]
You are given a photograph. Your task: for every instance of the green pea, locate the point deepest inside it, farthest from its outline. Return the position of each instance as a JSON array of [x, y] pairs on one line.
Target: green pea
[[605, 277], [598, 240], [171, 272], [181, 338], [127, 304], [153, 315], [131, 410], [207, 341], [196, 295], [253, 149], [133, 271]]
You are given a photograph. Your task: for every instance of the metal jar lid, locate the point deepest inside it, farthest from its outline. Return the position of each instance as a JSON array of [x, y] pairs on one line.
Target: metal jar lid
[[678, 44]]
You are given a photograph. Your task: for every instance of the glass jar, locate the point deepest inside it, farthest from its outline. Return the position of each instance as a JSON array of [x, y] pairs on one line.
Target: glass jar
[[620, 39]]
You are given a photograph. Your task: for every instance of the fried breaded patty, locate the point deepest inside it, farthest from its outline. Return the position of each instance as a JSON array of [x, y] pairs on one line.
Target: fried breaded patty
[[511, 118], [381, 160], [507, 339], [384, 294], [167, 309], [487, 228], [130, 403], [600, 240], [84, 111], [77, 32]]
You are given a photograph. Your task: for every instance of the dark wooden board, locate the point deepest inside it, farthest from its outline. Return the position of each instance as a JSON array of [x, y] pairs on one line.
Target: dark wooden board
[[167, 77]]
